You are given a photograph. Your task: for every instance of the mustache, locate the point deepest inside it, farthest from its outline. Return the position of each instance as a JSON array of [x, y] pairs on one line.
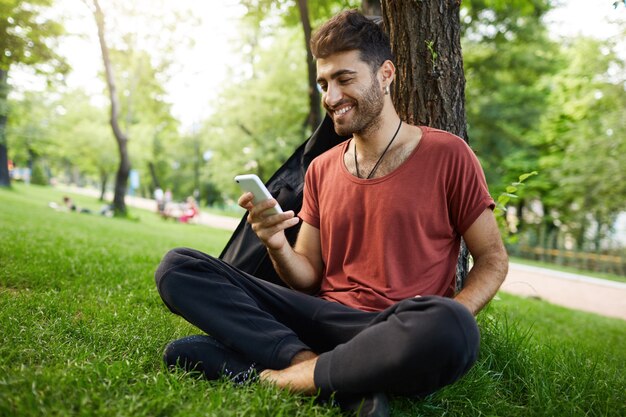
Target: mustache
[[337, 105]]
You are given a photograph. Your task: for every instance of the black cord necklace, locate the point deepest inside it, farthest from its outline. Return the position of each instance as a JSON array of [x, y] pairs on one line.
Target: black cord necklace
[[356, 164]]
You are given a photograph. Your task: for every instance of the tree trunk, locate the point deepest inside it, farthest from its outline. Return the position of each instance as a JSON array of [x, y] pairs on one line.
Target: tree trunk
[[315, 114], [104, 178], [5, 180], [430, 84], [121, 178], [426, 40], [155, 179]]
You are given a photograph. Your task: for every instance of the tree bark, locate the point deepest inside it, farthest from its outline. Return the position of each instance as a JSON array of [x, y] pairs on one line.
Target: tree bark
[[315, 114], [426, 40], [429, 90], [5, 180], [121, 178]]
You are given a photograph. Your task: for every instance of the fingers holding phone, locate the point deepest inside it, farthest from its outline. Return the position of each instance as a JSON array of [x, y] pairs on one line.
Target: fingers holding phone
[[264, 213]]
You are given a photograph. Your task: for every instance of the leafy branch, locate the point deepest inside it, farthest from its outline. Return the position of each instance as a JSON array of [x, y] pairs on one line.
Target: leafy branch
[[510, 193]]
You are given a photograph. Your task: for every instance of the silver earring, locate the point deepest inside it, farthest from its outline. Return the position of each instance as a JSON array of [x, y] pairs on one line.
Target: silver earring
[[386, 90]]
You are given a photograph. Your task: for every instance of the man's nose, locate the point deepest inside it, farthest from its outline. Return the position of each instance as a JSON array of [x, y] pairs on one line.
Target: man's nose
[[333, 95]]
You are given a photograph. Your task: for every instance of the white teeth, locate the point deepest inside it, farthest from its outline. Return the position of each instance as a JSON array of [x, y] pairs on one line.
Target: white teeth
[[343, 110]]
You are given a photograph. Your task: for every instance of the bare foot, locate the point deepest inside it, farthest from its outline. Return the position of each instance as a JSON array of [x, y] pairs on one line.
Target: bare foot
[[296, 378]]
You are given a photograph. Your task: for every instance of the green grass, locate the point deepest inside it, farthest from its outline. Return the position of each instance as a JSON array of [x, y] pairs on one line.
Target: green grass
[[82, 329], [562, 268]]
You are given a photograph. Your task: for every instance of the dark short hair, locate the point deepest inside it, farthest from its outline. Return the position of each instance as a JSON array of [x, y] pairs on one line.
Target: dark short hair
[[349, 31]]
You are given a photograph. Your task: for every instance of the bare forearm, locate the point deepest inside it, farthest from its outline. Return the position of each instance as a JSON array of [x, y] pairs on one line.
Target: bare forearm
[[483, 281], [295, 269]]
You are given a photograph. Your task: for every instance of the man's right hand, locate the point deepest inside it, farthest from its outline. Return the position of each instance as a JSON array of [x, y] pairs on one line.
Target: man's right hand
[[270, 228]]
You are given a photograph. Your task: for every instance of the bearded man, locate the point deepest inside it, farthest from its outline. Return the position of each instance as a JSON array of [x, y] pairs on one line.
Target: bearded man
[[371, 306]]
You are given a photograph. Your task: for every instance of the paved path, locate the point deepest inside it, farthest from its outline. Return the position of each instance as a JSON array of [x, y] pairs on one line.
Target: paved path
[[579, 292]]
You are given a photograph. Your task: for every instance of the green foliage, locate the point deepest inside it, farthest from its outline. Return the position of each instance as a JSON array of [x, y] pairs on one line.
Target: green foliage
[[579, 143], [510, 193], [433, 53], [141, 41], [285, 13], [64, 132], [84, 329], [38, 176], [28, 37], [261, 120], [534, 104], [27, 128], [507, 57]]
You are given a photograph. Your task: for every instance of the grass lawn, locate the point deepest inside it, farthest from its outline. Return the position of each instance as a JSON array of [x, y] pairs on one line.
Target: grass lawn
[[82, 329]]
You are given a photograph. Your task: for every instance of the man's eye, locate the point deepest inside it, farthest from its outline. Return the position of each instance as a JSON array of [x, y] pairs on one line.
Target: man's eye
[[321, 88], [344, 80]]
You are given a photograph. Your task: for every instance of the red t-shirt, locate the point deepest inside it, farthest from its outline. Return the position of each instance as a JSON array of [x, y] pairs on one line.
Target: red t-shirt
[[397, 236]]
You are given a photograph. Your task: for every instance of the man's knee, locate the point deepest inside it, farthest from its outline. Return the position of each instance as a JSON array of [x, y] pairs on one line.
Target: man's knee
[[459, 333], [172, 259], [180, 260], [442, 340], [178, 272]]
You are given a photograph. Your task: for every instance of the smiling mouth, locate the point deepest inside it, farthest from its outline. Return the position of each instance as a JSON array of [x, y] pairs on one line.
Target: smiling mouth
[[340, 112]]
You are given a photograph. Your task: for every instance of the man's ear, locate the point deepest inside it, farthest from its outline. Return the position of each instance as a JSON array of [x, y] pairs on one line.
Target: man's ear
[[387, 73]]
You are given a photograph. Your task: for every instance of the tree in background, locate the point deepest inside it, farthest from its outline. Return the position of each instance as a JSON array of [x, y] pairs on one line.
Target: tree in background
[[580, 149], [315, 112], [27, 38], [81, 145], [29, 130], [508, 59], [258, 121], [304, 15], [61, 136], [138, 105], [123, 170], [144, 112]]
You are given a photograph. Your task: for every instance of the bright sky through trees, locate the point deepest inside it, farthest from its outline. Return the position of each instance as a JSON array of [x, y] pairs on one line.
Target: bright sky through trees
[[202, 70]]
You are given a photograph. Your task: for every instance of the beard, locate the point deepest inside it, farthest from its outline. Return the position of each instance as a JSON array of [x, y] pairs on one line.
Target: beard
[[366, 112]]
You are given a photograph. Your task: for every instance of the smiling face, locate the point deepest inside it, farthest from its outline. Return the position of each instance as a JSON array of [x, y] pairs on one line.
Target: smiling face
[[352, 94]]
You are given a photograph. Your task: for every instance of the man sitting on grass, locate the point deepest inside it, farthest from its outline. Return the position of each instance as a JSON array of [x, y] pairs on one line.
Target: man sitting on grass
[[372, 307]]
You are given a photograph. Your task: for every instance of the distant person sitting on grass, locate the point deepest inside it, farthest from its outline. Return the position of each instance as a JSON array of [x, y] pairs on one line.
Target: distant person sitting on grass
[[106, 210], [183, 212], [190, 210], [68, 205], [372, 307]]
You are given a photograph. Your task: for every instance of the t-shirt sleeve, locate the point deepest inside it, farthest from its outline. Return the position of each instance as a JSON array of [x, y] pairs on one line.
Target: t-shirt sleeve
[[310, 206], [470, 195]]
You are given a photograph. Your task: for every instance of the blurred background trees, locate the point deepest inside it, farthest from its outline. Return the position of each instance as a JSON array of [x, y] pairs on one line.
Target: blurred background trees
[[534, 102], [29, 39]]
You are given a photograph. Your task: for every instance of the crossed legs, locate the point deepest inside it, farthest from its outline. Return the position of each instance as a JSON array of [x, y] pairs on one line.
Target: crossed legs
[[414, 347]]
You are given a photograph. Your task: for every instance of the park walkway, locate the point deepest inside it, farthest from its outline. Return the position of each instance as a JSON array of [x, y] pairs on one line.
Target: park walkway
[[580, 292], [604, 297]]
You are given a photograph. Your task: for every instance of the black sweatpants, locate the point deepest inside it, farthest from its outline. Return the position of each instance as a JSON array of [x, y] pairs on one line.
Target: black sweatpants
[[414, 347]]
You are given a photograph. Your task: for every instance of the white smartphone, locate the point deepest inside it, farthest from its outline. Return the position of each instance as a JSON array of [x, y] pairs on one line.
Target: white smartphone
[[253, 184]]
